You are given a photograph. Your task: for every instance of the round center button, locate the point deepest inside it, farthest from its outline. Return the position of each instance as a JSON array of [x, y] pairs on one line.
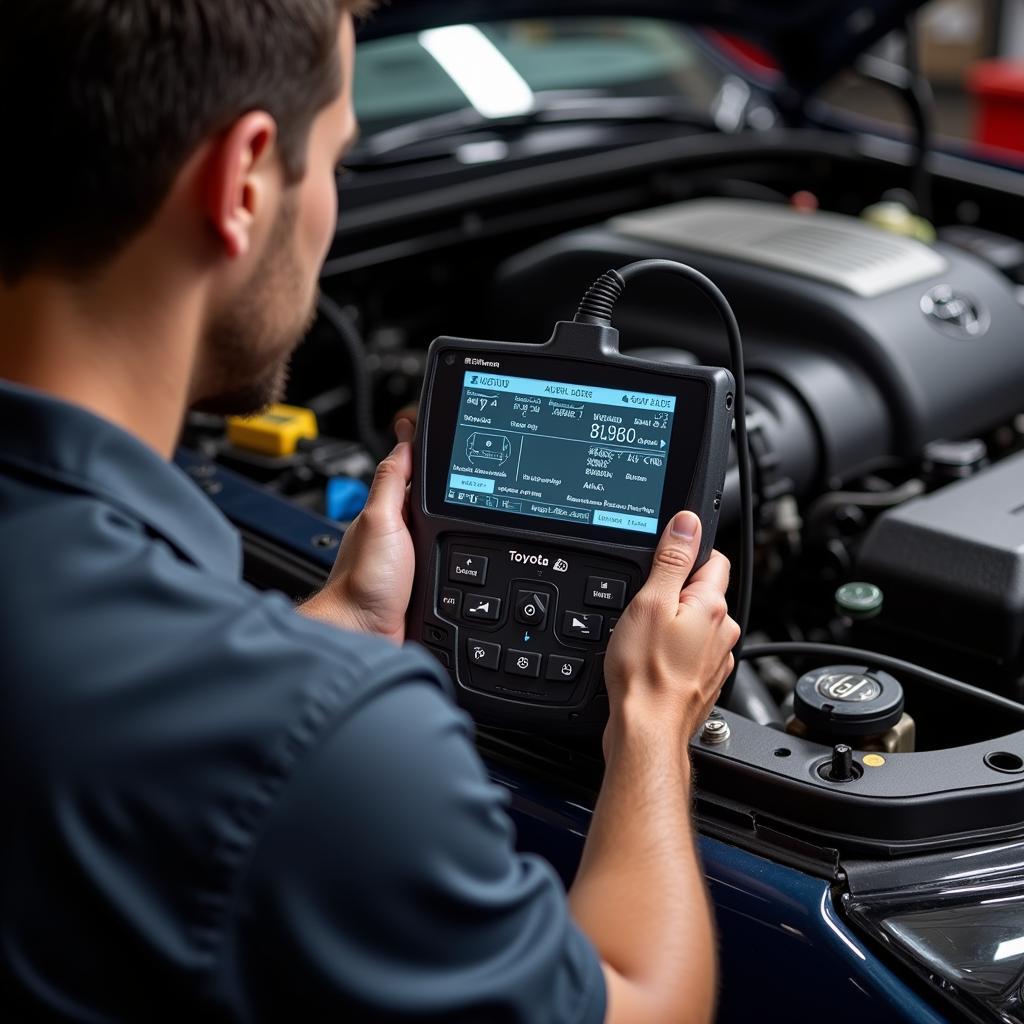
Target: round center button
[[531, 608]]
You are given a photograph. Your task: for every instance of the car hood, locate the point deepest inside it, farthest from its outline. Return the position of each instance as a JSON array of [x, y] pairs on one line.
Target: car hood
[[810, 40]]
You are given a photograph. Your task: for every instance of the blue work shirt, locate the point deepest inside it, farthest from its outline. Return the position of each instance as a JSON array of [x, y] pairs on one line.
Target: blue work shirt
[[215, 808]]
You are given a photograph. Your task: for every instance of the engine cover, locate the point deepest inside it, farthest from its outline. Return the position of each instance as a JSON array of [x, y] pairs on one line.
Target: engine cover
[[890, 343]]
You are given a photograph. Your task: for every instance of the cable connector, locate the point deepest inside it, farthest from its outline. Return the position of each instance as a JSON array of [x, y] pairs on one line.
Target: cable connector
[[597, 305]]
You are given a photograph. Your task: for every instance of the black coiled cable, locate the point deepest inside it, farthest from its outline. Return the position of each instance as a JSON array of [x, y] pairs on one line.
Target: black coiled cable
[[597, 307]]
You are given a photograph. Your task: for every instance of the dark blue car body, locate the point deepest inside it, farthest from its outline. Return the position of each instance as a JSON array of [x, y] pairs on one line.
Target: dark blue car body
[[786, 953]]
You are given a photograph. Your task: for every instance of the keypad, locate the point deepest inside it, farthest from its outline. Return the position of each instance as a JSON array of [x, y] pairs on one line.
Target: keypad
[[527, 622]]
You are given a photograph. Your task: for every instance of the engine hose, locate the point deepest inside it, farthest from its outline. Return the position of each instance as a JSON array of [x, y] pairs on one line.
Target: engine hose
[[752, 699], [829, 503], [362, 382]]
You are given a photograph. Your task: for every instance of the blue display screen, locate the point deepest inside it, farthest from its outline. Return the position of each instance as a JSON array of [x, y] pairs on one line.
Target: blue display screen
[[570, 452]]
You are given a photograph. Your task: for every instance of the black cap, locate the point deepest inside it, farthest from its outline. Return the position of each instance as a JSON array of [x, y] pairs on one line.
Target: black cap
[[847, 700]]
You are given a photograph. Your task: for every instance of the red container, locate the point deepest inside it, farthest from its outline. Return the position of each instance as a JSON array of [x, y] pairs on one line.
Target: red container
[[998, 86]]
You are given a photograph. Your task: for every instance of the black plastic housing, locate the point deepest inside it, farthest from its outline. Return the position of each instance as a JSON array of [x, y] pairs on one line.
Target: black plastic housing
[[695, 480], [951, 563]]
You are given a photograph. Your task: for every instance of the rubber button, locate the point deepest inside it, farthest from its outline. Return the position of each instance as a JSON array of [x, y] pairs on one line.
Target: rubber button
[[531, 608], [561, 669], [481, 653], [582, 626], [523, 663], [487, 609], [449, 602], [464, 567], [603, 591]]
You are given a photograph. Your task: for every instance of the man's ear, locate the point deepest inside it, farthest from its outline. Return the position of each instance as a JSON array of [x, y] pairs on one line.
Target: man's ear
[[241, 174]]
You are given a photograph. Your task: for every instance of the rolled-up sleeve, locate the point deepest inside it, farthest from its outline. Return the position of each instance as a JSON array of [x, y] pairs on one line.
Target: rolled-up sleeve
[[385, 885]]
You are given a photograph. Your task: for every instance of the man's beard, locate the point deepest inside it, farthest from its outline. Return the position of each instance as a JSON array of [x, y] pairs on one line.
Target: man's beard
[[248, 347]]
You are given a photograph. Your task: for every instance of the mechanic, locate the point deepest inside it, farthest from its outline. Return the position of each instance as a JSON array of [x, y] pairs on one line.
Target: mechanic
[[217, 807]]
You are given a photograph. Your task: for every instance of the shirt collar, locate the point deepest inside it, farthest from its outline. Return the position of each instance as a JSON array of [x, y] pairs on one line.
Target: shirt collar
[[55, 440]]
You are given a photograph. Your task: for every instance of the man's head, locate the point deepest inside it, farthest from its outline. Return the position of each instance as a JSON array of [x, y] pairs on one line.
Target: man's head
[[212, 125]]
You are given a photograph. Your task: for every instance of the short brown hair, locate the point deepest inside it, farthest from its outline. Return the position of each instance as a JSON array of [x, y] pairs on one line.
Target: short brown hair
[[107, 99]]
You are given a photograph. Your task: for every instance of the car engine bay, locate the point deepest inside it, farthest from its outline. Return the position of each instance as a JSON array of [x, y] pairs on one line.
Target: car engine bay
[[886, 421]]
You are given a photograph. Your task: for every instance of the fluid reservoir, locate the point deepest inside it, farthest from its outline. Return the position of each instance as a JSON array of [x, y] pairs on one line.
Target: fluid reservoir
[[852, 704]]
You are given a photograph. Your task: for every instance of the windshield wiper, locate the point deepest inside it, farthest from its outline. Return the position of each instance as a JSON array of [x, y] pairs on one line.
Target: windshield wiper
[[392, 144]]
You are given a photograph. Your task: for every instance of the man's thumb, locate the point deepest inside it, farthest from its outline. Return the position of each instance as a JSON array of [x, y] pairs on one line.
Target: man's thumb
[[387, 492], [676, 553]]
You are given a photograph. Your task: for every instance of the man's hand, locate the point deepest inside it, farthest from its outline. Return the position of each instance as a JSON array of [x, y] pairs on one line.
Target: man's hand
[[639, 892], [672, 649], [371, 583]]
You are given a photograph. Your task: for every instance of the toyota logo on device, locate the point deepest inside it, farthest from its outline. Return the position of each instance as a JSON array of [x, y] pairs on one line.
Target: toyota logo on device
[[560, 565]]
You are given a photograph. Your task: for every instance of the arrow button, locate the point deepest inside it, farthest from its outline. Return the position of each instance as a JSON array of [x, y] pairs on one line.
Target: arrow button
[[582, 626], [486, 609], [464, 567]]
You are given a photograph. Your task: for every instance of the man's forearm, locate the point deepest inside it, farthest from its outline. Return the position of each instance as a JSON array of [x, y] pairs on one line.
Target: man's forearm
[[639, 894]]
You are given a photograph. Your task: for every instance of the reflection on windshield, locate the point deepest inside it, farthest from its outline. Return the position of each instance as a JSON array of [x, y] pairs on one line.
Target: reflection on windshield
[[487, 79], [498, 69]]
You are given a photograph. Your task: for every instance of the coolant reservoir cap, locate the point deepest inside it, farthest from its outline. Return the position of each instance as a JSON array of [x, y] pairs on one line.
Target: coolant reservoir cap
[[848, 700], [859, 600]]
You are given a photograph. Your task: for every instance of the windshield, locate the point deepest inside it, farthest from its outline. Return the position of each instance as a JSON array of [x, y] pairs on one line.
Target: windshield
[[507, 69]]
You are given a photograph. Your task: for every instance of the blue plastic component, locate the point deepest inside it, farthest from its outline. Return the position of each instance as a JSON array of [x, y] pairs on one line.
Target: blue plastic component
[[345, 498]]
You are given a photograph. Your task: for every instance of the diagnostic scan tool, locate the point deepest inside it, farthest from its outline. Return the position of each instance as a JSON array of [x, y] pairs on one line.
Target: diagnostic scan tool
[[544, 477]]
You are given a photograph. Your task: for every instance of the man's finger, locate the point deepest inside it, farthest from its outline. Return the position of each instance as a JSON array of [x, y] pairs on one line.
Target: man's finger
[[408, 412], [675, 555], [405, 429], [713, 574], [387, 492]]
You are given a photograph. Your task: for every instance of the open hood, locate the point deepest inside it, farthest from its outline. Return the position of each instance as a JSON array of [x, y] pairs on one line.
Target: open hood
[[810, 40]]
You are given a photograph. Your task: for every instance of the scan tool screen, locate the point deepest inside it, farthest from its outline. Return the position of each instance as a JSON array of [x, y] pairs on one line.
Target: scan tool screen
[[591, 456]]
